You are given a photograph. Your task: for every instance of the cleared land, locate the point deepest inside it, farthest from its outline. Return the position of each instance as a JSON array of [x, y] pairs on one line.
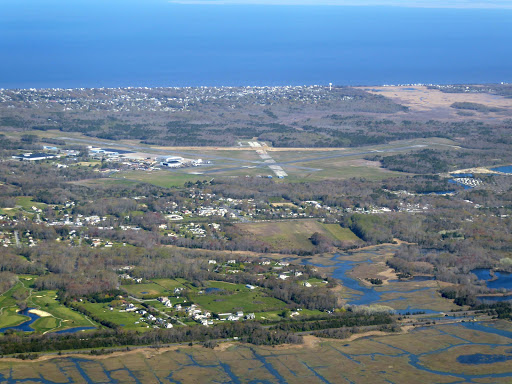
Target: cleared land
[[294, 234], [248, 301]]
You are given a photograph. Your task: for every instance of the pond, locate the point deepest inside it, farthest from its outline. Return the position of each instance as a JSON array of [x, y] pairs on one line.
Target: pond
[[456, 175], [481, 358], [504, 169], [213, 290], [25, 326], [498, 281]]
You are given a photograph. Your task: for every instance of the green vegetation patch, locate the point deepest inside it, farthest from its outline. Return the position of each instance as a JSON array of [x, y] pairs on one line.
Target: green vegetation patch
[[340, 233], [168, 284], [475, 107], [251, 301], [117, 316], [226, 286], [27, 203], [149, 289], [45, 324], [10, 317], [164, 179]]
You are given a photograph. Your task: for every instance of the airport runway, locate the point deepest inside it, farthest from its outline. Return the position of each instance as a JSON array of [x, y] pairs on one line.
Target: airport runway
[[253, 163]]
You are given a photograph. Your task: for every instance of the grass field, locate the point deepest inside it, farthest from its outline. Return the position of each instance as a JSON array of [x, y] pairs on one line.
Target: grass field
[[295, 234], [125, 319], [164, 178], [141, 290], [162, 287], [248, 301], [169, 284], [8, 307], [26, 203], [226, 286], [340, 233]]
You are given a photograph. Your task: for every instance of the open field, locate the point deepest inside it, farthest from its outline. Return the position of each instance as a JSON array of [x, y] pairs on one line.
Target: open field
[[340, 233], [161, 287], [295, 234], [226, 286], [424, 102], [27, 203], [120, 317], [248, 301], [141, 290], [163, 178], [425, 355]]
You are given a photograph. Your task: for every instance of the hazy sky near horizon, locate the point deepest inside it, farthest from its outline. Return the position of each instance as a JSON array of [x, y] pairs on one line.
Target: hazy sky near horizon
[[504, 4]]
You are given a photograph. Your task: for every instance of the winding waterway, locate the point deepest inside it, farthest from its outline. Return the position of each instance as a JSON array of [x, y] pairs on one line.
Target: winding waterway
[[367, 295]]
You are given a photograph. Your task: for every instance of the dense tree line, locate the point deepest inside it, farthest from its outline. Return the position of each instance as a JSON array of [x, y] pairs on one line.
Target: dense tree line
[[337, 320], [250, 332]]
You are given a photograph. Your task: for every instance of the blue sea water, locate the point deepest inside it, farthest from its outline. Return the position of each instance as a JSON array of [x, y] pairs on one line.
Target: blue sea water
[[94, 43]]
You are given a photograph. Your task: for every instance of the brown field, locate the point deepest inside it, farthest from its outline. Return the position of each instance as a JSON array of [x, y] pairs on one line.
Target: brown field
[[426, 103]]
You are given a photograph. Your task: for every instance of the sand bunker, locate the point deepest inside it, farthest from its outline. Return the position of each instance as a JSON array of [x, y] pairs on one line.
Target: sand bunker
[[40, 313]]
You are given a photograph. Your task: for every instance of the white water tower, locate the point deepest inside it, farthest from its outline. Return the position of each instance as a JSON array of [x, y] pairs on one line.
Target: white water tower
[[330, 86]]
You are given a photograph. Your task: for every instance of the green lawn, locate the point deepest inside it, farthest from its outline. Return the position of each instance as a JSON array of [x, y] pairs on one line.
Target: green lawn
[[125, 319], [27, 203], [250, 301], [316, 282], [48, 323], [168, 284], [164, 178], [225, 286], [340, 233], [10, 317], [143, 290]]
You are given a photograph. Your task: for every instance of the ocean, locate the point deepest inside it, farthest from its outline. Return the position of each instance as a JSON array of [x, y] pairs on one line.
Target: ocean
[[113, 43]]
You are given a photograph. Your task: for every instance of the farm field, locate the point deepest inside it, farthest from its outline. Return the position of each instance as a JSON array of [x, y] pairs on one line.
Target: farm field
[[295, 234], [441, 354]]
